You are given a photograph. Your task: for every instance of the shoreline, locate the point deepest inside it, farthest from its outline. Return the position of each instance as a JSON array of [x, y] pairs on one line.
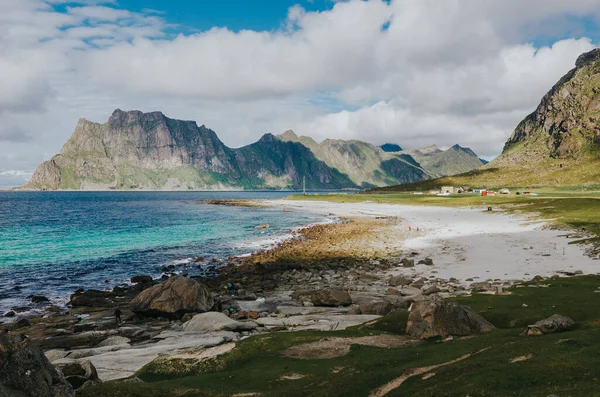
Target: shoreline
[[464, 244], [369, 256]]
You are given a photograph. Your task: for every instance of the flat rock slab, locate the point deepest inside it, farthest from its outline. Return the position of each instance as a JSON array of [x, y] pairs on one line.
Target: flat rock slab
[[215, 321], [316, 322], [123, 363]]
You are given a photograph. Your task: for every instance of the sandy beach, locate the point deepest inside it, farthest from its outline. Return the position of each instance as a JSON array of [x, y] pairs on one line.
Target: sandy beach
[[465, 243]]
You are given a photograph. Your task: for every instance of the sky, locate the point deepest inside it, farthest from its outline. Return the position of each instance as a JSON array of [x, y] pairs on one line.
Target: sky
[[411, 72]]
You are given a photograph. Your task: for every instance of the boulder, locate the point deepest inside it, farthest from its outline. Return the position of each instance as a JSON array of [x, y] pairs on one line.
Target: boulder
[[408, 262], [399, 281], [377, 308], [481, 286], [215, 321], [92, 298], [436, 317], [426, 262], [39, 299], [432, 289], [331, 297], [10, 313], [173, 298], [550, 325], [22, 323], [26, 372], [78, 373], [141, 279]]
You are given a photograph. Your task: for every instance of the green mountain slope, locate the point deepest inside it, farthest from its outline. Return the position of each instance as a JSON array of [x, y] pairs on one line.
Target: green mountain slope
[[365, 164]]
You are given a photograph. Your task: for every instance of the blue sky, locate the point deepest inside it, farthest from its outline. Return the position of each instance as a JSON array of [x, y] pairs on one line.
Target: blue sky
[[412, 72]]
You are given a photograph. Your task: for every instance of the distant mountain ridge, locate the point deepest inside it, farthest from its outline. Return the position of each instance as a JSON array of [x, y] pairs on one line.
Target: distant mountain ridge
[[366, 164], [149, 151], [438, 163]]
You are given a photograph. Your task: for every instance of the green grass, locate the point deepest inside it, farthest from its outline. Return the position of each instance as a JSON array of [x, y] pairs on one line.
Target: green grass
[[256, 365]]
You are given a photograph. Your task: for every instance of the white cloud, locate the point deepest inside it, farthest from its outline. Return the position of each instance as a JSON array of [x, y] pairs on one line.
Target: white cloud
[[415, 72]]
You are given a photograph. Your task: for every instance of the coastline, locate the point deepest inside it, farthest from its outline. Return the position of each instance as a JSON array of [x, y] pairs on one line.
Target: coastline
[[463, 243], [369, 255]]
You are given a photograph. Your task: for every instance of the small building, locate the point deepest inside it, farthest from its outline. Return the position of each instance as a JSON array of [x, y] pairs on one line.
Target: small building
[[478, 190], [504, 191], [448, 189]]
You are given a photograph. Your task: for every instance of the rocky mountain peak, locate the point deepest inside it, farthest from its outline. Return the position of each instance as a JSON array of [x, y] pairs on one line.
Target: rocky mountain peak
[[587, 58], [288, 135]]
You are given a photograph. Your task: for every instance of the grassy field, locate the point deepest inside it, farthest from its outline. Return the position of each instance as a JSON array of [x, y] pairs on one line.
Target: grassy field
[[564, 364]]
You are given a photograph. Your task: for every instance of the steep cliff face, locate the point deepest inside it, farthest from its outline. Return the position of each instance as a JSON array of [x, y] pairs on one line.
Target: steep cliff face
[[136, 150], [559, 143], [365, 164]]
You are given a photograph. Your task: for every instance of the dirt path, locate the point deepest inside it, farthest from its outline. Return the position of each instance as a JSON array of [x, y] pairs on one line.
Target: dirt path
[[394, 384]]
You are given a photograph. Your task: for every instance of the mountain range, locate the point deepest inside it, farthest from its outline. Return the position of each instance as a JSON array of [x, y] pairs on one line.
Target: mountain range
[[149, 151]]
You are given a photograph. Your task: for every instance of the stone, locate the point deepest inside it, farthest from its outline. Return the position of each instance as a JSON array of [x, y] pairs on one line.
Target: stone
[[10, 313], [392, 291], [426, 262], [550, 325], [408, 262], [22, 323], [376, 308], [432, 289], [436, 317], [26, 372], [141, 279], [92, 298], [354, 310], [331, 297], [481, 286], [215, 321], [410, 291], [399, 281], [39, 299], [78, 373], [173, 298], [114, 340], [537, 278]]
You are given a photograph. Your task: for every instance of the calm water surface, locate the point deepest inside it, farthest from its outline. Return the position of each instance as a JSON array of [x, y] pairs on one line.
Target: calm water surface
[[52, 243]]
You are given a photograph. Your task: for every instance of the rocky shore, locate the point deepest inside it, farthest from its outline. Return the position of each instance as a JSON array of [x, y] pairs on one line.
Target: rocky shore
[[327, 277]]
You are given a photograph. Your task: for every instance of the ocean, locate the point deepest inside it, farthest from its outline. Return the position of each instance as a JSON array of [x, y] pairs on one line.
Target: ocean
[[52, 243]]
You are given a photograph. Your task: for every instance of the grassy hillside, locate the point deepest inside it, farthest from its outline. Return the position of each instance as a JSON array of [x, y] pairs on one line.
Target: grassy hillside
[[563, 364]]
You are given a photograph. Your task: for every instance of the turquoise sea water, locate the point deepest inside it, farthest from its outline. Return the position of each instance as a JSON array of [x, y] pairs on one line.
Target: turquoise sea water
[[52, 243]]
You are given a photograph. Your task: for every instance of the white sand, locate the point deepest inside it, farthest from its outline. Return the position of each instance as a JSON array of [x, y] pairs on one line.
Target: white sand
[[470, 242]]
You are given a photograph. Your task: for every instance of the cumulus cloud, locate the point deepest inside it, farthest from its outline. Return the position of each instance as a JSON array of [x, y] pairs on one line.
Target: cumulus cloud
[[415, 72]]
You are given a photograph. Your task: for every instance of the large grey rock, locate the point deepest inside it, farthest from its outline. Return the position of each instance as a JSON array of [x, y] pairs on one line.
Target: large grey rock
[[215, 321], [481, 286], [436, 317], [378, 308], [397, 281], [78, 373], [93, 298], [173, 298], [26, 372], [331, 297], [552, 324]]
